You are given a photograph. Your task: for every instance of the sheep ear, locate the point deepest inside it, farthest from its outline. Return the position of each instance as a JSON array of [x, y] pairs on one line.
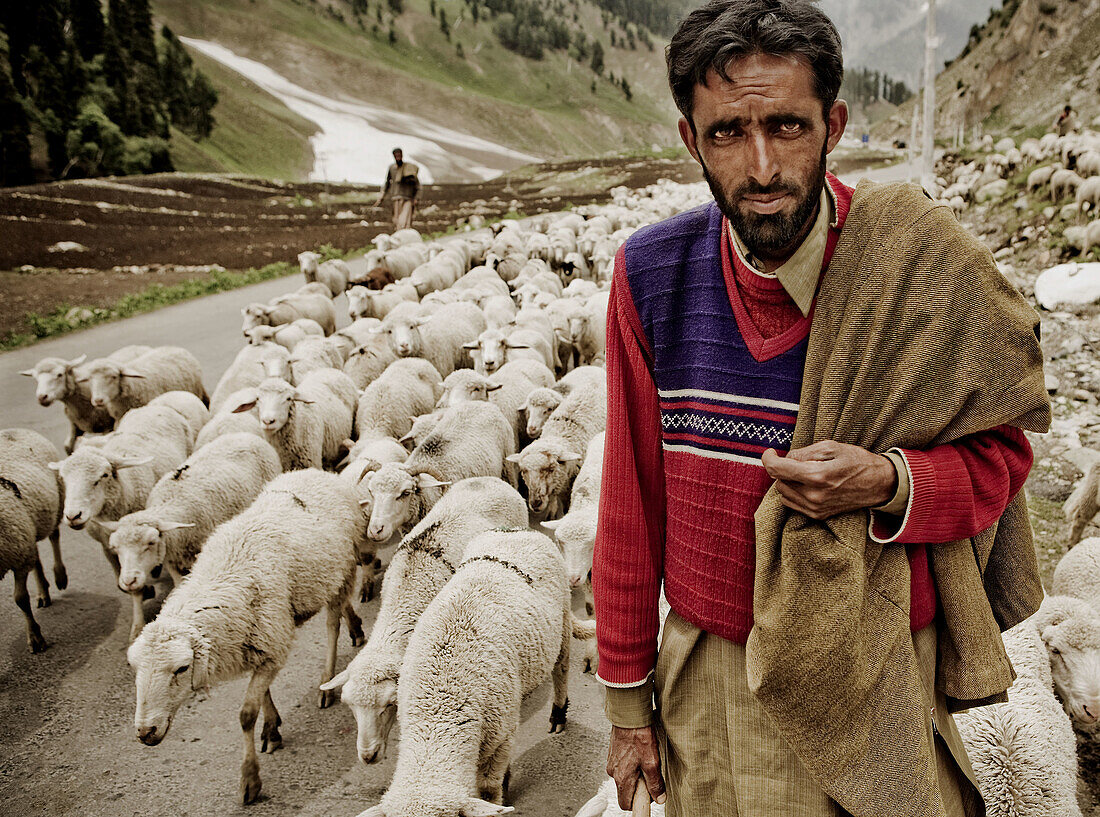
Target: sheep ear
[[513, 458], [129, 373], [108, 526], [54, 466], [373, 811], [337, 681], [76, 361], [471, 345], [482, 808], [511, 345], [494, 387], [428, 481], [248, 402], [127, 462], [27, 373], [568, 456], [164, 527], [300, 398], [551, 524]]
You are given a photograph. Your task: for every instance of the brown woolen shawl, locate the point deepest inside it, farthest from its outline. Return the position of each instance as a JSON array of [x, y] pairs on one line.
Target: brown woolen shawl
[[917, 340]]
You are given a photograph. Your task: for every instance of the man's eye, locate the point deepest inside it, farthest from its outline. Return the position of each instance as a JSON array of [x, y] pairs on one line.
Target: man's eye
[[790, 127]]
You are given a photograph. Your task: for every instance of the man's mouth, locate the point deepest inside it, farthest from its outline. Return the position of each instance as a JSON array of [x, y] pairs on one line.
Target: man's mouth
[[766, 204]]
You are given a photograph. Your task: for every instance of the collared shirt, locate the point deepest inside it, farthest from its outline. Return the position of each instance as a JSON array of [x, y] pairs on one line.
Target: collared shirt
[[799, 274]]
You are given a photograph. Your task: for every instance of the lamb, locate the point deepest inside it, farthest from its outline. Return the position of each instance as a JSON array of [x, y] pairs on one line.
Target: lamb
[[105, 482], [1078, 573], [438, 338], [538, 407], [334, 274], [287, 308], [1023, 751], [503, 619], [251, 365], [119, 387], [422, 564], [259, 576], [470, 440], [214, 484], [287, 335], [30, 510], [1083, 504], [549, 464], [57, 379], [368, 303], [305, 424]]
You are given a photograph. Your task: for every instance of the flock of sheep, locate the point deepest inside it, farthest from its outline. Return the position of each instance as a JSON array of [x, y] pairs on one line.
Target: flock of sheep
[[458, 417]]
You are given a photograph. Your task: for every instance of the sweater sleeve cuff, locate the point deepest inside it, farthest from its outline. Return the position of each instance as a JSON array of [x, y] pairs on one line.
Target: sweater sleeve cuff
[[630, 707], [900, 501], [920, 473]]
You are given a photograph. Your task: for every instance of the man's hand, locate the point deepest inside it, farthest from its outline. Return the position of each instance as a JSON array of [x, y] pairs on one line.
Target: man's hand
[[634, 753], [830, 478]]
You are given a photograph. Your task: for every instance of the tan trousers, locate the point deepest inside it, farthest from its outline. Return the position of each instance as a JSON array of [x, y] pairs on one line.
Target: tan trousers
[[723, 757], [402, 214]]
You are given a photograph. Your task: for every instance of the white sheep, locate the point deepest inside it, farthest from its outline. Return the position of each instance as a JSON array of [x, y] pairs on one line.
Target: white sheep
[[576, 530], [306, 424], [407, 388], [581, 376], [287, 335], [313, 304], [377, 303], [422, 426], [1088, 192], [1070, 629], [1077, 573], [438, 338], [440, 271], [538, 407], [57, 379], [549, 464], [1023, 751], [588, 328], [1083, 503], [1040, 176], [424, 561], [251, 365], [334, 274], [119, 387], [214, 484], [1062, 183], [367, 361], [495, 347], [606, 804], [226, 421], [496, 631], [105, 482], [189, 407], [258, 578], [470, 440], [30, 511]]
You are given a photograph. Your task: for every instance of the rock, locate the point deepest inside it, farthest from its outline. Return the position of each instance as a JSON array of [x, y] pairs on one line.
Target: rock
[[1048, 213], [78, 315], [992, 190], [1083, 394], [1003, 253], [67, 246], [1021, 203], [1051, 383], [1068, 284], [1068, 212]]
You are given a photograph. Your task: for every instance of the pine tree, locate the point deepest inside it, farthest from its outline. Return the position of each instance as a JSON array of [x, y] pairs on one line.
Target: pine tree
[[88, 26], [444, 26], [597, 58], [15, 129], [141, 46]]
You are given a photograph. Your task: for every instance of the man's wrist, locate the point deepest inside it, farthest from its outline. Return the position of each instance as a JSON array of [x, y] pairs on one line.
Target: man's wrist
[[630, 707]]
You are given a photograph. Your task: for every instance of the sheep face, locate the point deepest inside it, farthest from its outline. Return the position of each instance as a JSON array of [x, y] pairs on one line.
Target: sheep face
[[273, 401], [52, 379], [492, 350], [1074, 648], [434, 804], [464, 386], [254, 315], [167, 671], [539, 406], [359, 302], [404, 336], [373, 700], [91, 480], [547, 469], [308, 263], [258, 335], [105, 381], [576, 533], [141, 551], [394, 493]]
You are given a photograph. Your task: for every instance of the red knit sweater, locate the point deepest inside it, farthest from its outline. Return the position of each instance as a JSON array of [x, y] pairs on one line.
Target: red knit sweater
[[968, 484]]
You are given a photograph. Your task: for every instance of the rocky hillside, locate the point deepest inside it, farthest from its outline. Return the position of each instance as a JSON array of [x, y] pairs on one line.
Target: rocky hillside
[[1022, 66], [433, 58]]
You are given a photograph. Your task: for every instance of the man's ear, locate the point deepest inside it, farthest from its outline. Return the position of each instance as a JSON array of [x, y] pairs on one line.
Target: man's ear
[[838, 121], [687, 135]]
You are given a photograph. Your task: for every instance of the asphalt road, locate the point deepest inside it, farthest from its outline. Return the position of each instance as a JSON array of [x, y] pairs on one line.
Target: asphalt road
[[67, 745]]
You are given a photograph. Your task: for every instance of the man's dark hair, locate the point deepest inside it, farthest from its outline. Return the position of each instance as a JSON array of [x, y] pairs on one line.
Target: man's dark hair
[[724, 30]]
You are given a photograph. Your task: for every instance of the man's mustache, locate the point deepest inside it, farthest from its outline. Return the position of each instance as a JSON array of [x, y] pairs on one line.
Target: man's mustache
[[754, 189]]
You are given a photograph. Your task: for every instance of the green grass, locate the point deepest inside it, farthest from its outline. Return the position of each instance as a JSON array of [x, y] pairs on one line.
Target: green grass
[[152, 297]]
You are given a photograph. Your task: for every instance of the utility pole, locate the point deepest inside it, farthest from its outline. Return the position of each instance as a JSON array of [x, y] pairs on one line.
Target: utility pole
[[913, 125], [929, 142]]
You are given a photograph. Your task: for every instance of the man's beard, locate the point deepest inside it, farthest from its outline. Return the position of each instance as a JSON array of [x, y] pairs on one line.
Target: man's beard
[[770, 235]]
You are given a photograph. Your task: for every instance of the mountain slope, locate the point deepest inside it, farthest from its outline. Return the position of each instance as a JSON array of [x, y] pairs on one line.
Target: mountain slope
[[1031, 59], [546, 107]]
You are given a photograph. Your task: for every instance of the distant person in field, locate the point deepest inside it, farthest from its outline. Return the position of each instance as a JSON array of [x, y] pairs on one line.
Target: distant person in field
[[402, 186], [1066, 121]]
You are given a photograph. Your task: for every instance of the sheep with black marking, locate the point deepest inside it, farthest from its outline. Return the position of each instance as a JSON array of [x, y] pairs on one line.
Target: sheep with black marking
[[470, 440], [30, 511], [259, 577], [367, 361], [549, 464], [120, 387], [422, 564], [214, 484], [496, 631], [60, 379]]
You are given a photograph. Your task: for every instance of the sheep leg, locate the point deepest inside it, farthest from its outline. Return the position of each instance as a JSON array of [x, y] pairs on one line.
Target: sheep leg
[[366, 588], [270, 737], [493, 776], [70, 443], [335, 612], [1086, 509], [561, 679], [40, 580], [60, 575], [137, 622], [250, 785], [355, 624], [23, 601]]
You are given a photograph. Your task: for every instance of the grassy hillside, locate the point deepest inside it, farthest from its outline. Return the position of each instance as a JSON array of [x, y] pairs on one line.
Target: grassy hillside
[[545, 107]]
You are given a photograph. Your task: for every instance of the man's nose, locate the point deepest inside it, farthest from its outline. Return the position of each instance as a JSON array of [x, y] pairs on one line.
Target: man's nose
[[763, 167]]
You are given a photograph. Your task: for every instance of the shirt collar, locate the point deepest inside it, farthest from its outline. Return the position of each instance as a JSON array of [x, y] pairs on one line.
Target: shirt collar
[[800, 273]]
